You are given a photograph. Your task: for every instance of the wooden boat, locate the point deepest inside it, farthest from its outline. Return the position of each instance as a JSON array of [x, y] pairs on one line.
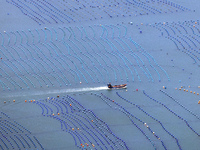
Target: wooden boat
[[121, 86]]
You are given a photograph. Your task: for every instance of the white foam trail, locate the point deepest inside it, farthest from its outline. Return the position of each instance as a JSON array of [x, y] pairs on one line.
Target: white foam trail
[[79, 90], [74, 90]]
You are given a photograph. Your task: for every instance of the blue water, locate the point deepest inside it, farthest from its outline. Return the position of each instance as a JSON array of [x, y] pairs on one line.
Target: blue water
[[57, 58]]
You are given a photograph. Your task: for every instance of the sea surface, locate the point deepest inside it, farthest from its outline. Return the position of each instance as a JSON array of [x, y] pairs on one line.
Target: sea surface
[[57, 57]]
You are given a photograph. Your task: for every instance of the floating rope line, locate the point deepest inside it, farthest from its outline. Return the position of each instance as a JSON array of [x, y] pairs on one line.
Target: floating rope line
[[141, 109], [184, 35], [129, 115], [51, 12], [53, 57], [180, 104], [87, 130], [186, 122], [15, 136]]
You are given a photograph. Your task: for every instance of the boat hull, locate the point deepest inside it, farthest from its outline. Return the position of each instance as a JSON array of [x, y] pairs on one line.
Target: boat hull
[[122, 86]]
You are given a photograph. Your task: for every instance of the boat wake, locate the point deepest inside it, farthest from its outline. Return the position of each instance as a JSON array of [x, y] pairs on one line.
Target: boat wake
[[81, 90], [59, 91]]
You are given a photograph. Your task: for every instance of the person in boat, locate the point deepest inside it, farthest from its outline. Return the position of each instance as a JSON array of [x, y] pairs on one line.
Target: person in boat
[[116, 86], [110, 86]]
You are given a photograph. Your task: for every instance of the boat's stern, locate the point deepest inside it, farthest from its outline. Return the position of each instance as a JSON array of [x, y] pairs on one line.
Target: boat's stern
[[109, 86]]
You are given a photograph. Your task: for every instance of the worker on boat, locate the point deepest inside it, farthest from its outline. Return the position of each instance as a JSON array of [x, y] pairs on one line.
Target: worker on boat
[[109, 85], [122, 86]]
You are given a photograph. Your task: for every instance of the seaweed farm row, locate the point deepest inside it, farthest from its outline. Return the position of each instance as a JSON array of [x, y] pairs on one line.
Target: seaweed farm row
[[185, 35], [69, 56], [15, 136], [49, 12], [90, 132]]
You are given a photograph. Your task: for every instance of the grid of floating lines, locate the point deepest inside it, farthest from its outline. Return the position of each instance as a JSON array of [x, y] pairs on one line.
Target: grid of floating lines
[[58, 57], [89, 131], [15, 136], [73, 55], [185, 36], [62, 11]]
